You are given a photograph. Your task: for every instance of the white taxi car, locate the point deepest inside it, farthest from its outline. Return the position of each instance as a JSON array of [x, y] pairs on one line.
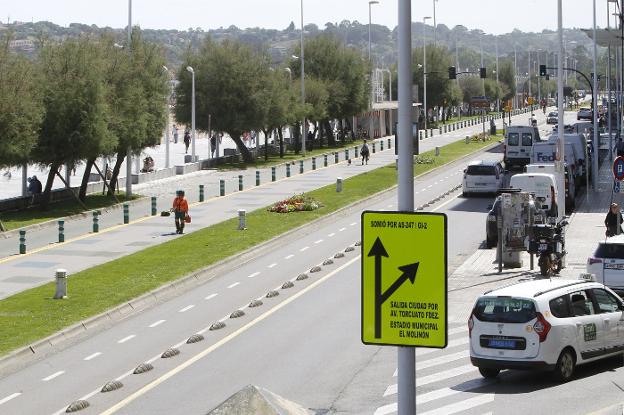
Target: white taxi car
[[483, 176], [607, 263], [545, 324]]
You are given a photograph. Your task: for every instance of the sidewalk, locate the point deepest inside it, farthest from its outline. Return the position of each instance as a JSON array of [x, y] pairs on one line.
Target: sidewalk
[[84, 250]]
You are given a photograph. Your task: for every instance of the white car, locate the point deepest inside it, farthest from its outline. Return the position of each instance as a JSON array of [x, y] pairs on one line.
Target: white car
[[545, 324], [607, 263], [482, 176]]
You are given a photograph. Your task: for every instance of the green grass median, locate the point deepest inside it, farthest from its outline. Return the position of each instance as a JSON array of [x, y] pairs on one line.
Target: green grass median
[[33, 314]]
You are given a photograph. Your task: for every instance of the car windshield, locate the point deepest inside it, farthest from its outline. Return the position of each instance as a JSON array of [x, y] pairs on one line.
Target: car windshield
[[481, 171], [505, 310], [513, 139], [605, 250], [553, 114]]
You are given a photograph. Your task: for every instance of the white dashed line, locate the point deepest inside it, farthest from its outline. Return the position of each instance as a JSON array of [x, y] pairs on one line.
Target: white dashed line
[[233, 285], [187, 308], [8, 398], [92, 356], [125, 339], [255, 274], [342, 229], [288, 256], [318, 242], [331, 234], [272, 265], [304, 248], [211, 296], [156, 323], [389, 206], [353, 224], [53, 375]]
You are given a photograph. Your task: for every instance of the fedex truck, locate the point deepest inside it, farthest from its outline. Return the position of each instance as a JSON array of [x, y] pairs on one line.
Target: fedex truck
[[546, 152]]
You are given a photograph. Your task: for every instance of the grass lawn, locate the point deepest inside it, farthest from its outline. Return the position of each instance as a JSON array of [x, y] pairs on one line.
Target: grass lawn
[[31, 216], [33, 314]]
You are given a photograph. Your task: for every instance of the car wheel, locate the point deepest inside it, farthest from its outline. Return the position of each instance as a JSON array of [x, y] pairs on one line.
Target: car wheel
[[488, 242], [488, 372], [564, 370]]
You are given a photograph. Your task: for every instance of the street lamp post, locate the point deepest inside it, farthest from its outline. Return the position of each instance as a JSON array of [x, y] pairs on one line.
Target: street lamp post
[[434, 21], [370, 3], [595, 109], [497, 84], [129, 150], [425, 69], [166, 70], [303, 122], [539, 86], [190, 69], [389, 83]]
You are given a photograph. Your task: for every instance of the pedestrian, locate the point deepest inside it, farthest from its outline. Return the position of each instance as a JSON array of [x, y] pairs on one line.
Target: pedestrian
[[180, 209], [34, 188], [613, 221], [175, 134], [213, 144], [187, 140], [364, 152]]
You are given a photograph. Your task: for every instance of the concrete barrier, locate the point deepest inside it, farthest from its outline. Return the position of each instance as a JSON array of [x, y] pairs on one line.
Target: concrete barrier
[[154, 175]]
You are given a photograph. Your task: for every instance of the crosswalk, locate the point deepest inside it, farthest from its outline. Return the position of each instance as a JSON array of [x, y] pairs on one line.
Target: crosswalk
[[446, 382]]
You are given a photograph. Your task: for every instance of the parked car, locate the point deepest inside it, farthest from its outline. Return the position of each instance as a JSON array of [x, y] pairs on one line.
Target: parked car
[[491, 231], [553, 118], [585, 114], [482, 176], [545, 324], [607, 263]]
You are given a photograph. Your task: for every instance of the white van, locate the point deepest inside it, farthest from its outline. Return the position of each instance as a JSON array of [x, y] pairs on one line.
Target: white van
[[570, 187], [545, 153], [518, 143], [541, 185], [579, 142], [482, 176]]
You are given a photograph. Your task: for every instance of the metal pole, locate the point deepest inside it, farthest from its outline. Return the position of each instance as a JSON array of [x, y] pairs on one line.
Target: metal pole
[[560, 130], [406, 356], [529, 65], [595, 105], [434, 22], [303, 123], [609, 98], [129, 150], [497, 84], [516, 75], [193, 116], [539, 86], [425, 71]]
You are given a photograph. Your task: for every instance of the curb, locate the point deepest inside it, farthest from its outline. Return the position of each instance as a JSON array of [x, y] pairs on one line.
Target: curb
[[177, 287]]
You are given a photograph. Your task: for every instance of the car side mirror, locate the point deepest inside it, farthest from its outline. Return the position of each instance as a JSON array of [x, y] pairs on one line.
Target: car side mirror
[[564, 223]]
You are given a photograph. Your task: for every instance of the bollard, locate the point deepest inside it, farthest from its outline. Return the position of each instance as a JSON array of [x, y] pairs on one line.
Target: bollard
[[437, 151], [346, 154], [440, 131], [313, 163], [431, 132], [300, 166], [336, 157], [126, 213], [22, 242], [96, 225], [381, 145], [325, 160], [356, 151], [273, 173], [389, 143], [61, 226], [426, 133], [241, 220], [61, 284], [288, 170], [201, 199], [373, 147], [222, 187], [257, 178], [240, 182], [339, 184], [467, 139]]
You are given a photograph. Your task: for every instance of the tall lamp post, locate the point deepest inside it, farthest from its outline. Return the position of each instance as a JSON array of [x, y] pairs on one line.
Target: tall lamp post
[[425, 69], [303, 122], [166, 70], [434, 22], [370, 3], [129, 150], [595, 109], [190, 69]]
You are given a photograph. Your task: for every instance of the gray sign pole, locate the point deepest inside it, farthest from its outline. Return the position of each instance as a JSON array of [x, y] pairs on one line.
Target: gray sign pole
[[406, 355], [560, 127]]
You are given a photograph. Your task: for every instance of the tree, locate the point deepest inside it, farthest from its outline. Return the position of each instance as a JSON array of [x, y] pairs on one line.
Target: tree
[[506, 77], [471, 86], [21, 108], [75, 124], [229, 85]]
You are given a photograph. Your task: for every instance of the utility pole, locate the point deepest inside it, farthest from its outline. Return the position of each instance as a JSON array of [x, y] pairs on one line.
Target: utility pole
[[129, 150]]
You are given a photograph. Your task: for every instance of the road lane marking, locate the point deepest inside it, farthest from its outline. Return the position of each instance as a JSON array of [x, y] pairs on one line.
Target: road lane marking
[[223, 341], [331, 234], [53, 375], [233, 285], [255, 274], [462, 405], [211, 296], [304, 248], [342, 229], [125, 339], [353, 224], [288, 256], [92, 356], [318, 242], [8, 398], [436, 377], [187, 308], [387, 409], [272, 265], [157, 323]]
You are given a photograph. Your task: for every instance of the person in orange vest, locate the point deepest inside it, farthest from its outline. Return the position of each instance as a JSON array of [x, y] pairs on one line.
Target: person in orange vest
[[180, 209]]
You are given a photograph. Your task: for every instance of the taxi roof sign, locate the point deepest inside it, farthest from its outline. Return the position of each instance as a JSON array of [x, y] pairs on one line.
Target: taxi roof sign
[[404, 279]]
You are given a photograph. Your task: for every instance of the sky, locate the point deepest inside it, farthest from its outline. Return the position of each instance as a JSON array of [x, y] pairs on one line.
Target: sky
[[492, 16]]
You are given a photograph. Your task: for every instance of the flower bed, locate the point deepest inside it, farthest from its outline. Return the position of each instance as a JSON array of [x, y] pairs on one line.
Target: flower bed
[[296, 203]]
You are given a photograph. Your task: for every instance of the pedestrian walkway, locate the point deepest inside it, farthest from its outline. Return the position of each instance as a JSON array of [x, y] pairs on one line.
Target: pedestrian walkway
[[84, 249]]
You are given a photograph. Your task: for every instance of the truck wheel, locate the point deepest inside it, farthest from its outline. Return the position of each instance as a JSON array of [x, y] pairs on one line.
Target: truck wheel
[[544, 265], [488, 372], [564, 370]]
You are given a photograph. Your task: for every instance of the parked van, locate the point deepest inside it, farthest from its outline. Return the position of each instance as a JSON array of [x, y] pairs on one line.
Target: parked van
[[579, 142], [570, 187], [482, 176], [518, 143], [545, 153], [542, 185]]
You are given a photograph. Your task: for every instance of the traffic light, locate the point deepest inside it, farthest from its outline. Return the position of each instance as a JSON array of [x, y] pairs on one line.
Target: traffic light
[[452, 72], [547, 77], [542, 70], [482, 73]]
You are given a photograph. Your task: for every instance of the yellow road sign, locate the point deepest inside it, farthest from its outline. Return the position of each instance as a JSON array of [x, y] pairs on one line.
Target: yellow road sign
[[404, 279]]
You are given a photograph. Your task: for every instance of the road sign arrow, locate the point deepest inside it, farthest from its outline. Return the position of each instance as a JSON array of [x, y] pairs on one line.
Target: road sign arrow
[[378, 251], [409, 273]]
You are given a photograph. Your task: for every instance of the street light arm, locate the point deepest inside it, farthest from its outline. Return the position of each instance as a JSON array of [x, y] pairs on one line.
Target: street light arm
[[591, 86]]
